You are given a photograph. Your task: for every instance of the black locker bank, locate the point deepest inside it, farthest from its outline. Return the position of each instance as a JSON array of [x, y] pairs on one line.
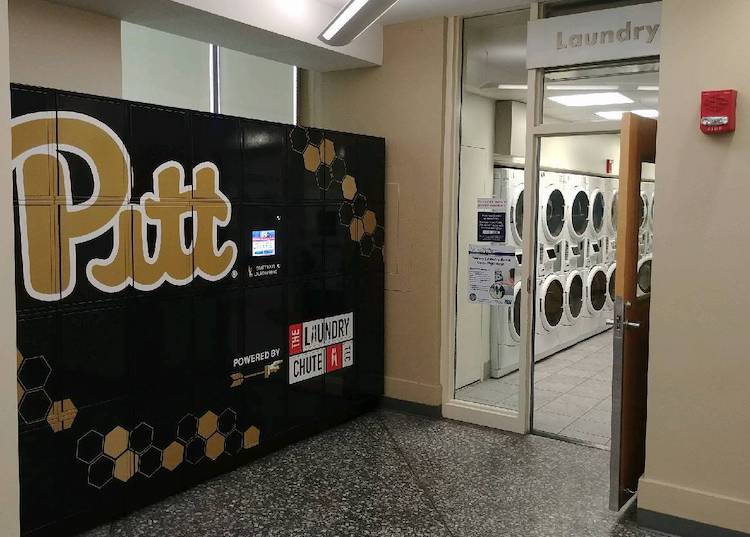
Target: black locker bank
[[193, 291]]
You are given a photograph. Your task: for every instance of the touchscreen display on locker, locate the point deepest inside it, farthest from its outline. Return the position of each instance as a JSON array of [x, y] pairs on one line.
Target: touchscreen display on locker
[[192, 289]]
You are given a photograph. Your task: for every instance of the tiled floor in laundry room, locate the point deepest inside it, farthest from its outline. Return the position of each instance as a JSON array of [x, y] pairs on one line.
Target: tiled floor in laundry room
[[572, 392]]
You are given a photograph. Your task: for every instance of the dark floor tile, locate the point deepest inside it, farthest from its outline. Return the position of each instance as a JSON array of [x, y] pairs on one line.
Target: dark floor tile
[[388, 474]]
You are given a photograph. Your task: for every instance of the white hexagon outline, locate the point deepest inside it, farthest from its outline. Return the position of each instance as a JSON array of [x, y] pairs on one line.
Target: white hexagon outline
[[101, 446], [130, 436], [25, 361], [88, 472], [161, 461], [23, 398]]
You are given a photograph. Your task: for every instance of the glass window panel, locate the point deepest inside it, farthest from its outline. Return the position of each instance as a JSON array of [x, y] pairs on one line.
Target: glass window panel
[[165, 69], [600, 93], [493, 131], [256, 88]]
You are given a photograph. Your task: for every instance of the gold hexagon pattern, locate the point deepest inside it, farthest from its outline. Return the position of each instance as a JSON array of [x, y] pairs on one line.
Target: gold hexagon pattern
[[116, 442], [356, 229], [251, 437], [19, 390], [207, 425], [62, 415], [126, 466], [329, 151], [349, 187], [110, 453], [370, 222], [311, 157], [215, 446], [173, 456]]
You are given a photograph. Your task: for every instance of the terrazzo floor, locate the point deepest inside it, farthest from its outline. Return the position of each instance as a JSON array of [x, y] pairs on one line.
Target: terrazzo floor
[[391, 474], [572, 392]]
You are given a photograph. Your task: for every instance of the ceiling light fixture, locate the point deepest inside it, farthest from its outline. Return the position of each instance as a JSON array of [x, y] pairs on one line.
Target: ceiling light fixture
[[616, 115], [523, 87], [648, 88], [353, 19], [591, 99], [561, 87]]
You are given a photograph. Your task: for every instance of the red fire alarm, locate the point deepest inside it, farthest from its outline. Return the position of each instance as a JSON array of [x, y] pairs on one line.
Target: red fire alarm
[[718, 111]]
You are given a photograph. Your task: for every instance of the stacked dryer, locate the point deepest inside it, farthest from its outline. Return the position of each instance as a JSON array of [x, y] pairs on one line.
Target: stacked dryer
[[505, 333], [577, 223], [552, 249]]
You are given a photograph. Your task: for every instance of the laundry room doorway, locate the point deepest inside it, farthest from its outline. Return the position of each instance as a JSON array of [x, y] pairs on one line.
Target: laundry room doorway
[[578, 158]]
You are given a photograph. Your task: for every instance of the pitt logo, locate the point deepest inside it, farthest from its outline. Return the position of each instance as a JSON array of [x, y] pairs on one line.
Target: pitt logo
[[49, 267]]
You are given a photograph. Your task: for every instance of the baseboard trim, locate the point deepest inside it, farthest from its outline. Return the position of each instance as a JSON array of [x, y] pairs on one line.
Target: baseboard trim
[[410, 407], [682, 527]]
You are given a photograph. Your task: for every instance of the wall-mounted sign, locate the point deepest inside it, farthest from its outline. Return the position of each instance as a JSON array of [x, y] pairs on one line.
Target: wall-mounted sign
[[607, 34], [492, 271], [321, 346], [491, 214]]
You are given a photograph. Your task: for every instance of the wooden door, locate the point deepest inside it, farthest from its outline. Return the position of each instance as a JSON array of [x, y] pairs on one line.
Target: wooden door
[[631, 317]]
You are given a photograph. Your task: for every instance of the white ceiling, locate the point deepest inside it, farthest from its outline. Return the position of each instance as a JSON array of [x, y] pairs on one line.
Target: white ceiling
[[406, 10]]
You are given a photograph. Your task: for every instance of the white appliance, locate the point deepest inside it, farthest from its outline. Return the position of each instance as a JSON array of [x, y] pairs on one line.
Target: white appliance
[[643, 277], [573, 303], [515, 208], [596, 292], [578, 207], [552, 208], [611, 273], [550, 314]]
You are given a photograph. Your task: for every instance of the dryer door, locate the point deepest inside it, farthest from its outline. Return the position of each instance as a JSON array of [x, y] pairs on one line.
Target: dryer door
[[597, 212], [644, 275], [516, 216], [579, 215], [611, 273], [514, 314], [573, 296], [554, 214], [552, 302], [596, 290]]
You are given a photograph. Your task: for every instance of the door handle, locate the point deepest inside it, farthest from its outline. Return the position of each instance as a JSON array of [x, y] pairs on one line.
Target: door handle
[[626, 324]]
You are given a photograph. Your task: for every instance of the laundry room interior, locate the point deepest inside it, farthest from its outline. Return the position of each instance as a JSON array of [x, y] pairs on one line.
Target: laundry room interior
[[575, 236]]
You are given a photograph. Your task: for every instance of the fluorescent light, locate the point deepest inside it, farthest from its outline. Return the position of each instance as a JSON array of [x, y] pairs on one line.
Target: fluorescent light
[[560, 87], [591, 99], [513, 86], [344, 17], [647, 113], [617, 114], [648, 88]]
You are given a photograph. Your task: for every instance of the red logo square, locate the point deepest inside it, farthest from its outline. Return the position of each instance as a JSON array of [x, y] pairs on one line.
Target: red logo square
[[334, 358], [295, 339]]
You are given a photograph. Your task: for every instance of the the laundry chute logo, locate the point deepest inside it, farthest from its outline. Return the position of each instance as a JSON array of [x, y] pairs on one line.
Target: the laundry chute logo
[[39, 144]]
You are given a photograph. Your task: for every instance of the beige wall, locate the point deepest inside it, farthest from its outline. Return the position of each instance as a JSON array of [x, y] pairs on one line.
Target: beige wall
[[403, 102], [697, 463], [61, 47], [9, 499]]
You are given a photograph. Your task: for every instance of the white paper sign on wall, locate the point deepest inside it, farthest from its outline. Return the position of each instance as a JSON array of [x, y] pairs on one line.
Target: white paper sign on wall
[[604, 35]]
